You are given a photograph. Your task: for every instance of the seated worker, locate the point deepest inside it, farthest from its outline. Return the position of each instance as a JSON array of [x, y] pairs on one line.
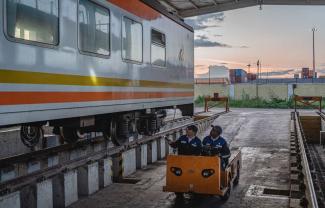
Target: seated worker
[[217, 145], [188, 144]]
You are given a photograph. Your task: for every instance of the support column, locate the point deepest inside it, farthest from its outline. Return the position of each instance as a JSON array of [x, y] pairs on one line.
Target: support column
[[105, 172], [65, 189], [11, 200], [88, 182]]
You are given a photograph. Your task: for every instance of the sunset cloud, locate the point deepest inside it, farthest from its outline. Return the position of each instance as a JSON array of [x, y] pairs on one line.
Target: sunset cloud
[[206, 21]]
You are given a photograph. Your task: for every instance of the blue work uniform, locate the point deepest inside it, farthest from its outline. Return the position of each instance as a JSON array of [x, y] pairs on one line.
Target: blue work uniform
[[186, 146], [219, 147]]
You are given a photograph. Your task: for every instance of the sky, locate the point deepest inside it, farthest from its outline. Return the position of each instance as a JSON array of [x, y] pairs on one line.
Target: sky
[[279, 36]]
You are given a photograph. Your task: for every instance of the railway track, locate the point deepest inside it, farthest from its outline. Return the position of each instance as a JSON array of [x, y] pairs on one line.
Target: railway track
[[29, 168], [309, 168]]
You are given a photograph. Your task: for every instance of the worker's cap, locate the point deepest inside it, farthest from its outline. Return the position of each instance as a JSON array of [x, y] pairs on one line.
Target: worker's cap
[[193, 128], [217, 129]]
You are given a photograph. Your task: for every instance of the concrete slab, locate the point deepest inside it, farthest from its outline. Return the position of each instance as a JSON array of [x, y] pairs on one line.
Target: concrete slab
[[10, 200], [28, 196], [88, 180], [105, 172], [144, 155], [65, 189], [45, 194], [162, 142], [255, 198], [129, 162], [154, 151]]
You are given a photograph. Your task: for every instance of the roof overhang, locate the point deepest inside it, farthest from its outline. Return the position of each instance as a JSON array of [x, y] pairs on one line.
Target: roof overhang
[[189, 8]]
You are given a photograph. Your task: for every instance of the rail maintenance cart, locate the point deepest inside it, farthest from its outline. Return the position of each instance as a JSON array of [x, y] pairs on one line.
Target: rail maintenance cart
[[202, 174]]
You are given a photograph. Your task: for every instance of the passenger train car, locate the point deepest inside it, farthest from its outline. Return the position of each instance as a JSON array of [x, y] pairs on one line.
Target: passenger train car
[[92, 65]]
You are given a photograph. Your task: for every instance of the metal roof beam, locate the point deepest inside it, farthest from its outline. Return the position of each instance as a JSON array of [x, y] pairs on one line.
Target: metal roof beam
[[193, 3], [294, 2], [215, 2], [237, 4], [169, 4], [217, 8]]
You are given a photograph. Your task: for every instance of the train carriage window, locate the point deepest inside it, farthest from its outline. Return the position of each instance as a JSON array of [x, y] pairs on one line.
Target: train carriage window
[[94, 28], [35, 21], [158, 48], [131, 40]]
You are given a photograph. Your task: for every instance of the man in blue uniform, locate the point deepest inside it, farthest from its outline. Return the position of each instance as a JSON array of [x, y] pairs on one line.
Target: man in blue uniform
[[217, 145], [188, 144]]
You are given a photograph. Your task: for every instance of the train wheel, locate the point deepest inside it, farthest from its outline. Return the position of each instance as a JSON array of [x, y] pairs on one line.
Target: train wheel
[[227, 194], [30, 135], [71, 135]]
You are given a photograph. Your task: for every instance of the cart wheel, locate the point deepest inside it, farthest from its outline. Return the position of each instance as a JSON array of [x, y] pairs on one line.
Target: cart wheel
[[236, 181], [227, 194]]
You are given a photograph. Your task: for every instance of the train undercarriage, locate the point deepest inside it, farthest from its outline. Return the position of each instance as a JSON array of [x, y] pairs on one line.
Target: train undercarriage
[[116, 127]]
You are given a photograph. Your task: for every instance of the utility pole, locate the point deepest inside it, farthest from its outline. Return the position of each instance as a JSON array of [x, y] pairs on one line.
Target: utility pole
[[209, 75], [257, 78], [314, 71]]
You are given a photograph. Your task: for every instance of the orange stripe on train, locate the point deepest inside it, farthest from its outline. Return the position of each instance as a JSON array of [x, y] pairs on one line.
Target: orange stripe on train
[[137, 8], [19, 98]]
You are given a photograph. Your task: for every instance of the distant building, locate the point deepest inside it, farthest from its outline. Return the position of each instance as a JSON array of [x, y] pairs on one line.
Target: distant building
[[237, 75], [296, 76], [251, 77], [306, 73]]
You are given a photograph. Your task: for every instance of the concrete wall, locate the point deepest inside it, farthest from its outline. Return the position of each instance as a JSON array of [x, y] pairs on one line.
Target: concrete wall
[[265, 91], [204, 89]]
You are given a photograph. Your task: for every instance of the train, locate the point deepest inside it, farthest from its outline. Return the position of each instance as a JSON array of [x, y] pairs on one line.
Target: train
[[83, 66]]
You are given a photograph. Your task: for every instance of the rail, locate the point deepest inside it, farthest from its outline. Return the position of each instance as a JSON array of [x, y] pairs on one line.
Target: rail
[[309, 180]]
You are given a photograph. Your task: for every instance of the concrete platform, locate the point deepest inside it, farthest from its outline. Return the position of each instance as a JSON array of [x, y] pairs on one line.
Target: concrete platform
[[263, 137]]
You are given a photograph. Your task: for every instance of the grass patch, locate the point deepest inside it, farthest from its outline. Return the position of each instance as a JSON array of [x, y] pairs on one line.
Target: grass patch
[[256, 103]]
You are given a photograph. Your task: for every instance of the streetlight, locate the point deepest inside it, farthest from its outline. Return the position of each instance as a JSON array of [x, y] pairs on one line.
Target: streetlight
[[314, 71]]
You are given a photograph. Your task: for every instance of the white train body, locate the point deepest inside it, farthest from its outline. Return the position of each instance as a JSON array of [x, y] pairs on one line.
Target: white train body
[[47, 78]]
